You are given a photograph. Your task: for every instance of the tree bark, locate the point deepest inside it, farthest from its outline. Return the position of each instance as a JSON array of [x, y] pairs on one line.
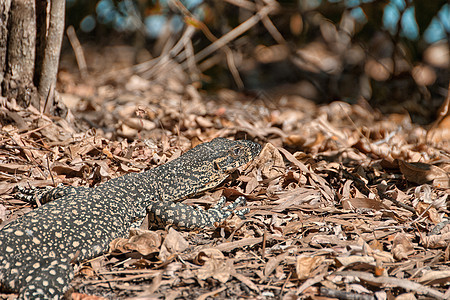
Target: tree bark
[[20, 57], [4, 16], [41, 37], [47, 80]]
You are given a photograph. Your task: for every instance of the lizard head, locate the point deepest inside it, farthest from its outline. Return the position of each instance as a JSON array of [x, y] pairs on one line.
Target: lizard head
[[215, 160], [228, 155]]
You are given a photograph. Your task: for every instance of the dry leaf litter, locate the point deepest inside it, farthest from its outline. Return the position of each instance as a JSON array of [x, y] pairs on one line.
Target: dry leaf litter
[[345, 203]]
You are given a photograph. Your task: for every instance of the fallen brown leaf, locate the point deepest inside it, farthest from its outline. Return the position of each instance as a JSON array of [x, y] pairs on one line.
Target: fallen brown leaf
[[421, 173]]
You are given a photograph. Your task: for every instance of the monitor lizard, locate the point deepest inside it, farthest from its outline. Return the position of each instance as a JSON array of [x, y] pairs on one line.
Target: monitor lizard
[[37, 250]]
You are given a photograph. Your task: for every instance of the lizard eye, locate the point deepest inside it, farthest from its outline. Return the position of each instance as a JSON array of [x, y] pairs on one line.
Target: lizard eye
[[236, 151]]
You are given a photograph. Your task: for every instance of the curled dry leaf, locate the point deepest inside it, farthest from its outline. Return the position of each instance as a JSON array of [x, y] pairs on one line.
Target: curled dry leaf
[[273, 262], [355, 203], [320, 240], [354, 259], [173, 243], [143, 241], [306, 265], [217, 268], [293, 227], [436, 241], [80, 170], [3, 213], [87, 271], [270, 162], [246, 281], [206, 254], [421, 173], [429, 211], [13, 168], [296, 197], [383, 256], [401, 246], [435, 277], [139, 124]]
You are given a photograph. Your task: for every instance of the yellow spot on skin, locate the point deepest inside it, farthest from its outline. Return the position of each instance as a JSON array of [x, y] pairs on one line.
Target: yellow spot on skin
[[9, 249], [28, 279], [60, 280], [76, 244], [36, 241], [18, 233], [45, 283], [52, 272], [36, 265], [58, 234]]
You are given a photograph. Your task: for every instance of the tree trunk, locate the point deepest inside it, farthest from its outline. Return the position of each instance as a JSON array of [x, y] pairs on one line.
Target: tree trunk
[[47, 78], [19, 72], [4, 16], [29, 51]]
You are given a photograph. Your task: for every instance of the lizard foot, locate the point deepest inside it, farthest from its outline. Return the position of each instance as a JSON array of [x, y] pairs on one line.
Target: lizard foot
[[184, 216]]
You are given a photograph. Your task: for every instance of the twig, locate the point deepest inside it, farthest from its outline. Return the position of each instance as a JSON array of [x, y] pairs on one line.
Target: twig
[[442, 113], [230, 238], [233, 34], [232, 67], [243, 3], [228, 52], [264, 242], [277, 36], [148, 69], [194, 71], [403, 283], [421, 215], [78, 50], [212, 293], [285, 282]]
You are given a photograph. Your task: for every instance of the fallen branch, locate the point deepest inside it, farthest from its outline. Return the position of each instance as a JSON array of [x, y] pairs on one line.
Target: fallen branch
[[402, 283]]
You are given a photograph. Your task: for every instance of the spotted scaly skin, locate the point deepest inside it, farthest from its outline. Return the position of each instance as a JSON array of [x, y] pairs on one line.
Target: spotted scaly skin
[[37, 249]]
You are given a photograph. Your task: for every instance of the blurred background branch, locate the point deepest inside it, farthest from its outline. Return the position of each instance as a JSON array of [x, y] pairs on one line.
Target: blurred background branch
[[392, 53]]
